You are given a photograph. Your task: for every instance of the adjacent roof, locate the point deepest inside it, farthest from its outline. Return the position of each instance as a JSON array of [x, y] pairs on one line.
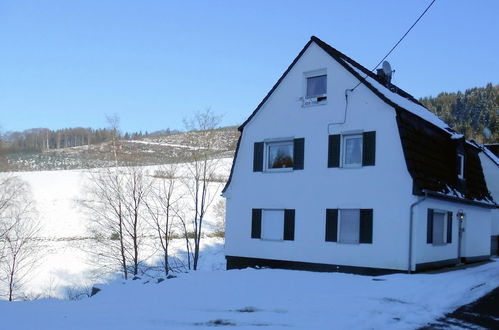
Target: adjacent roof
[[430, 145], [487, 151]]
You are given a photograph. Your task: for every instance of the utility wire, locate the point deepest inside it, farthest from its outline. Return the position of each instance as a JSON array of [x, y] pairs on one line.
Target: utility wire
[[398, 42]]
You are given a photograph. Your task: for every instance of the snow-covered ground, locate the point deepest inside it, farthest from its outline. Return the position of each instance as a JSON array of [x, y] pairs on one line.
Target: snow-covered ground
[[212, 296], [255, 299], [66, 260]]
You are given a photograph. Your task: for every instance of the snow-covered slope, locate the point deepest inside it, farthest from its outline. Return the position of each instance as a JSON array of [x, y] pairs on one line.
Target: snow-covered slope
[[256, 299], [66, 259]]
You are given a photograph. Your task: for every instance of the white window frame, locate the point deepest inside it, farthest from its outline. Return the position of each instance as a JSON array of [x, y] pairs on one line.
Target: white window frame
[[307, 102], [460, 175], [281, 220], [344, 138], [274, 142], [340, 222], [444, 232]]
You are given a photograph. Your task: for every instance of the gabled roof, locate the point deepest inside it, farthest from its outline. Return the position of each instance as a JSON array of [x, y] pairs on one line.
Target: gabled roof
[[412, 118], [393, 96]]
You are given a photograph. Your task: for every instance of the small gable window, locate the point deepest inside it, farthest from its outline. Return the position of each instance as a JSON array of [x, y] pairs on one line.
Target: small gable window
[[460, 166], [315, 88]]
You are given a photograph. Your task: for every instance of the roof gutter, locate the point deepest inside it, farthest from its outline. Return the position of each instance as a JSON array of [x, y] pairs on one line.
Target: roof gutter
[[458, 200]]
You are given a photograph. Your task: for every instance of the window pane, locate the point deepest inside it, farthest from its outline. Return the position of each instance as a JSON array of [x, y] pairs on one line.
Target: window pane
[[272, 224], [353, 150], [316, 86], [438, 228], [349, 226], [460, 165], [280, 155]]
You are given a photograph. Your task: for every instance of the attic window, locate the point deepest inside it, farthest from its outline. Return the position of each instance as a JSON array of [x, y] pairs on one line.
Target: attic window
[[315, 87], [460, 166]]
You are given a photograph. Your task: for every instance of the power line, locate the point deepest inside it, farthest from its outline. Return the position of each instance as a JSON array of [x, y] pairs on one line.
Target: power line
[[400, 40]]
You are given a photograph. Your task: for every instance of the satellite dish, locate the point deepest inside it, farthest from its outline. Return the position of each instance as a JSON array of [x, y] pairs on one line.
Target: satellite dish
[[487, 133], [387, 70]]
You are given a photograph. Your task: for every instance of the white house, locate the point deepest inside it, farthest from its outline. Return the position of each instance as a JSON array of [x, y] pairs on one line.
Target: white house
[[339, 170]]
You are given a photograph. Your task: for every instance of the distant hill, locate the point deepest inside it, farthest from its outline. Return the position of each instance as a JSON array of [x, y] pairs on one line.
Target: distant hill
[[470, 112], [150, 150]]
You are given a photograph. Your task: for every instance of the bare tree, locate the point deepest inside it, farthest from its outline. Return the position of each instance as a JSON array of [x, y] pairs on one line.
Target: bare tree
[[201, 171], [14, 194], [21, 250], [163, 208], [114, 125], [3, 159], [104, 202], [219, 211], [115, 199], [137, 188], [18, 230]]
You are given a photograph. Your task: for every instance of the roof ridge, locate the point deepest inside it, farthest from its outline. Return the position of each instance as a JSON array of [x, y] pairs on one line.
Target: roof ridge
[[341, 56]]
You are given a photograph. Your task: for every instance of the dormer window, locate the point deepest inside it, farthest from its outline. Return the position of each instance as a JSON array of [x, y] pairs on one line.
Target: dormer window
[[316, 87], [460, 166]]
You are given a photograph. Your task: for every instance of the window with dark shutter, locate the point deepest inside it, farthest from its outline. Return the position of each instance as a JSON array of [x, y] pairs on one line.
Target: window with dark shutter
[[258, 157], [449, 227], [429, 227], [331, 225], [289, 225], [366, 226], [333, 155], [298, 154], [256, 223], [368, 148]]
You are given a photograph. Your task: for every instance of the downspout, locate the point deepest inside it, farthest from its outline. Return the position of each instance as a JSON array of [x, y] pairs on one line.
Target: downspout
[[411, 220]]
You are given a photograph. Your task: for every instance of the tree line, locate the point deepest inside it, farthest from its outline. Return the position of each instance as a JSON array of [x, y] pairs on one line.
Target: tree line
[[42, 139], [469, 113]]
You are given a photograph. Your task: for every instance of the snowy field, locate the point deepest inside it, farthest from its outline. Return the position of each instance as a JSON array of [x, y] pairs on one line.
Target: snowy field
[[256, 299], [66, 258]]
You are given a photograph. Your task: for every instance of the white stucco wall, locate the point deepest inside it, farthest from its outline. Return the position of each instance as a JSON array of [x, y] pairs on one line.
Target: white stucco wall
[[385, 188], [476, 234], [491, 173]]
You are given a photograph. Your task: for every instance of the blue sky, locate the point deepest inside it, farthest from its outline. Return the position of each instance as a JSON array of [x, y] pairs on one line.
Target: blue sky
[[69, 63]]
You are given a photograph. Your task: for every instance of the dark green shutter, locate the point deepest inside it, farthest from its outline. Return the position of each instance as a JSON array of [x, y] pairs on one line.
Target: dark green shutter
[[366, 226], [298, 153], [256, 223], [429, 227], [449, 227], [289, 225], [368, 148], [258, 157], [331, 225], [333, 154]]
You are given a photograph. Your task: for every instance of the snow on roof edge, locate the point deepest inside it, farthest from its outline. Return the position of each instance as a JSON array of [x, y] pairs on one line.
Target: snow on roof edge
[[408, 104]]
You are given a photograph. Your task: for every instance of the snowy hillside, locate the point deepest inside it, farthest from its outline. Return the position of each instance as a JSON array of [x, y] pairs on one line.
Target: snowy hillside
[[67, 259], [150, 150]]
